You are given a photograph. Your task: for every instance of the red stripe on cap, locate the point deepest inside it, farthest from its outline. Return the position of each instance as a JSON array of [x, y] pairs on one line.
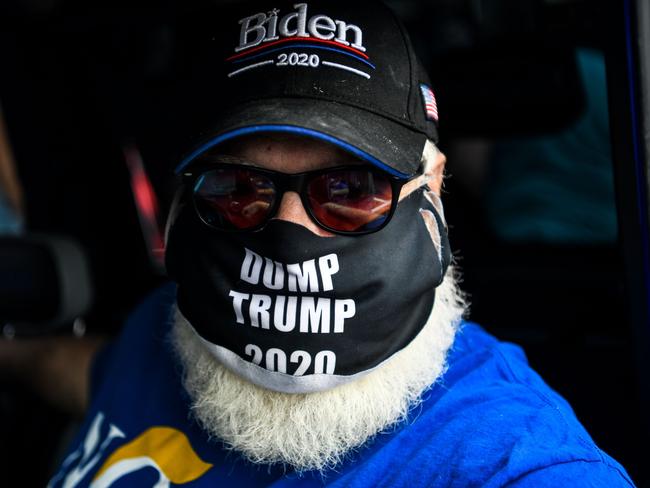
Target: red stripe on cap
[[302, 39]]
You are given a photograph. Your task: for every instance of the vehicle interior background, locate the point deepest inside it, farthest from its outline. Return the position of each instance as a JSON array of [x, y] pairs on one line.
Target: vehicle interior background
[[522, 86]]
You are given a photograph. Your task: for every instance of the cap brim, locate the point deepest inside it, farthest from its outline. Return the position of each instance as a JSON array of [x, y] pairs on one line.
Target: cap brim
[[373, 138]]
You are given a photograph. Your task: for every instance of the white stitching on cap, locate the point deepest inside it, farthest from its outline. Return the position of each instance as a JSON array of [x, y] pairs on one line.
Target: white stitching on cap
[[346, 68], [250, 66]]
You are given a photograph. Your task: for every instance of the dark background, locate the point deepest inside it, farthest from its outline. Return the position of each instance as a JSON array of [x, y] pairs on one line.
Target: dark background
[[79, 84]]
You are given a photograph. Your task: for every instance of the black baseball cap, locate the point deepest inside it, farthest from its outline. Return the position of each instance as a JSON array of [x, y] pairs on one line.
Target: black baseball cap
[[342, 72]]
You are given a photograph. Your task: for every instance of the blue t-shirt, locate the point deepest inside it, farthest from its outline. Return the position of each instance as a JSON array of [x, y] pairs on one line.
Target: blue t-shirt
[[489, 421]]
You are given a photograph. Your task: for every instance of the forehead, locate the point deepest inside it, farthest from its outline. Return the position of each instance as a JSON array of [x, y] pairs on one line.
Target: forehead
[[287, 152]]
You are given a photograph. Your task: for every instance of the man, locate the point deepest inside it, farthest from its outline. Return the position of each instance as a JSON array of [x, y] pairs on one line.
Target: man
[[313, 331]]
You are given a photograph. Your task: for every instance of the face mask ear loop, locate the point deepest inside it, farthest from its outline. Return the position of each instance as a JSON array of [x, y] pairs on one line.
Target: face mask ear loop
[[436, 201]]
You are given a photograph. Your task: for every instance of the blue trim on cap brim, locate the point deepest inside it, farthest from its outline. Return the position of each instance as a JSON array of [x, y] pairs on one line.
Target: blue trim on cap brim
[[294, 130]]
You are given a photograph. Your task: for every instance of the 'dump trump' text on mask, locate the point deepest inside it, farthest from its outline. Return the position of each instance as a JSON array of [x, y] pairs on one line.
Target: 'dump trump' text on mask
[[295, 312]]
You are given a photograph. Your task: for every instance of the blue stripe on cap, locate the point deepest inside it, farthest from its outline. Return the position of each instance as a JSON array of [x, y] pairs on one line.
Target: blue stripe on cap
[[294, 130]]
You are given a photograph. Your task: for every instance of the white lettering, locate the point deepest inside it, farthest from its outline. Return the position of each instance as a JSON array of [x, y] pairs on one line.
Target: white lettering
[[322, 27], [279, 313], [306, 278], [87, 455], [315, 315], [262, 27], [302, 19], [276, 360], [238, 299], [259, 311], [329, 266], [304, 360], [255, 352], [342, 34], [272, 29], [301, 22], [325, 362], [283, 28], [343, 309], [269, 282], [251, 267], [246, 28]]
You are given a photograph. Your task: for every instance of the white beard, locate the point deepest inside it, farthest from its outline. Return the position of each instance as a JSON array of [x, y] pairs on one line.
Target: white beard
[[316, 430]]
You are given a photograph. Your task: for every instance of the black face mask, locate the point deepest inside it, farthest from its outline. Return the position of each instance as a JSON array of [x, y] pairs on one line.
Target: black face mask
[[294, 312]]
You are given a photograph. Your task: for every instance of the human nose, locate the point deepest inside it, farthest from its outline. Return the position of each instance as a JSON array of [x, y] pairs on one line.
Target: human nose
[[292, 210]]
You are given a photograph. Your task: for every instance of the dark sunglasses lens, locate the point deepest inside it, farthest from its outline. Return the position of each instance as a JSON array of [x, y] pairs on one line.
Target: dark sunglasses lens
[[233, 198], [351, 200]]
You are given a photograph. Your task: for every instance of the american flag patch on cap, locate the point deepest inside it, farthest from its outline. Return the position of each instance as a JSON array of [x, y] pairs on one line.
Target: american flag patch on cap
[[430, 105]]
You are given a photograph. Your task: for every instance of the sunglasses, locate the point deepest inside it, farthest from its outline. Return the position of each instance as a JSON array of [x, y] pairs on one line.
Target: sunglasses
[[347, 200]]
